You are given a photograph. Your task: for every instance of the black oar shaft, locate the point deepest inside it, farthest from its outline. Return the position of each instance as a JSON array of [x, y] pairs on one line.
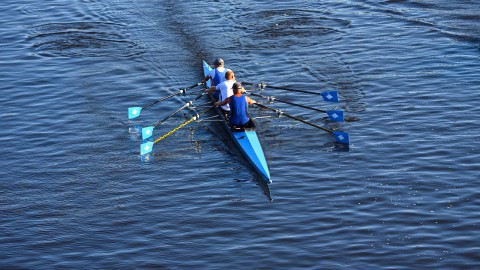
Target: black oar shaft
[[281, 88], [163, 99], [181, 91], [178, 110], [288, 102], [192, 86], [172, 114], [294, 117]]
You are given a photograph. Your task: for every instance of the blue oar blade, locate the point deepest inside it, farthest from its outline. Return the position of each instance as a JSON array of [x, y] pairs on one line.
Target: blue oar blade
[[147, 132], [335, 115], [146, 148], [134, 112], [330, 96], [341, 137]]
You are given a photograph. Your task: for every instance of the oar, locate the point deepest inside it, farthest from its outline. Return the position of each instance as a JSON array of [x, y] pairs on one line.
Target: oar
[[134, 112], [339, 135], [147, 147], [330, 96], [148, 131], [334, 115]]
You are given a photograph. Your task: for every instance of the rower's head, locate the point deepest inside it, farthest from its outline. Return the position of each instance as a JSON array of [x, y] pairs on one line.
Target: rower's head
[[237, 88], [218, 62], [229, 75]]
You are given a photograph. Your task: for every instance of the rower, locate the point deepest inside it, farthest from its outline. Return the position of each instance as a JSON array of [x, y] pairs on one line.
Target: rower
[[239, 116], [217, 75], [225, 90]]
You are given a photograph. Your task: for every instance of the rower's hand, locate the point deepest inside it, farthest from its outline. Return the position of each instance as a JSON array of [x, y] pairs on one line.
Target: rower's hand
[[216, 104]]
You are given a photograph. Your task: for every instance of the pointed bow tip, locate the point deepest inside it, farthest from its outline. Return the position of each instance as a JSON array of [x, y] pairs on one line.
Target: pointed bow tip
[[266, 177]]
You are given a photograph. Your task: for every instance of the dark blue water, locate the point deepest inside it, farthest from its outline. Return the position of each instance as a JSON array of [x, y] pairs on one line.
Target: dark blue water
[[75, 193]]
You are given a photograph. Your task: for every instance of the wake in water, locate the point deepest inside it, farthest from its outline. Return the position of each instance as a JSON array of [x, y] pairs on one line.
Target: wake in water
[[83, 39]]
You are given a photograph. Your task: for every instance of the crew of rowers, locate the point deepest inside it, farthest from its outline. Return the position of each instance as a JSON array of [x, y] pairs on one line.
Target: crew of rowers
[[229, 94]]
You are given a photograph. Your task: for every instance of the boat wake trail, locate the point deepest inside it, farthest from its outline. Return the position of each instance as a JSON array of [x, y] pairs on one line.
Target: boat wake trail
[[83, 39]]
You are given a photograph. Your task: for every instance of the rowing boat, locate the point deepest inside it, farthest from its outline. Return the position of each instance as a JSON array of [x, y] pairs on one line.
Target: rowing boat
[[245, 139]]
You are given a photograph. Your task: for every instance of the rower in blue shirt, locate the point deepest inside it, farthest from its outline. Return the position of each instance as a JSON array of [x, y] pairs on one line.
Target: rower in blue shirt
[[217, 75], [238, 103]]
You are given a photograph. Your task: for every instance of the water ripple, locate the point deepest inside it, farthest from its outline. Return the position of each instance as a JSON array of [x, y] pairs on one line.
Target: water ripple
[[76, 39], [76, 194]]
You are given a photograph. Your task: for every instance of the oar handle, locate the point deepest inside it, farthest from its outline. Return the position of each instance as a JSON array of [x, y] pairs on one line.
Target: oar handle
[[293, 117]]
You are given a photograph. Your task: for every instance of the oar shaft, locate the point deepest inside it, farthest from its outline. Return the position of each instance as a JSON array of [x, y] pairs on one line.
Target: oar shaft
[[294, 117], [165, 98], [281, 88], [181, 91], [172, 114], [293, 90], [196, 117], [178, 110], [288, 102], [192, 86]]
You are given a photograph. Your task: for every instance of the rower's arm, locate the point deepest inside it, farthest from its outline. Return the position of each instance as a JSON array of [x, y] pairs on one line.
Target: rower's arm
[[250, 101], [210, 90], [206, 79], [225, 102]]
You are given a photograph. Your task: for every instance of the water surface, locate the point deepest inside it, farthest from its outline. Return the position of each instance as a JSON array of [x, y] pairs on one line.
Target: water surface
[[76, 194]]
